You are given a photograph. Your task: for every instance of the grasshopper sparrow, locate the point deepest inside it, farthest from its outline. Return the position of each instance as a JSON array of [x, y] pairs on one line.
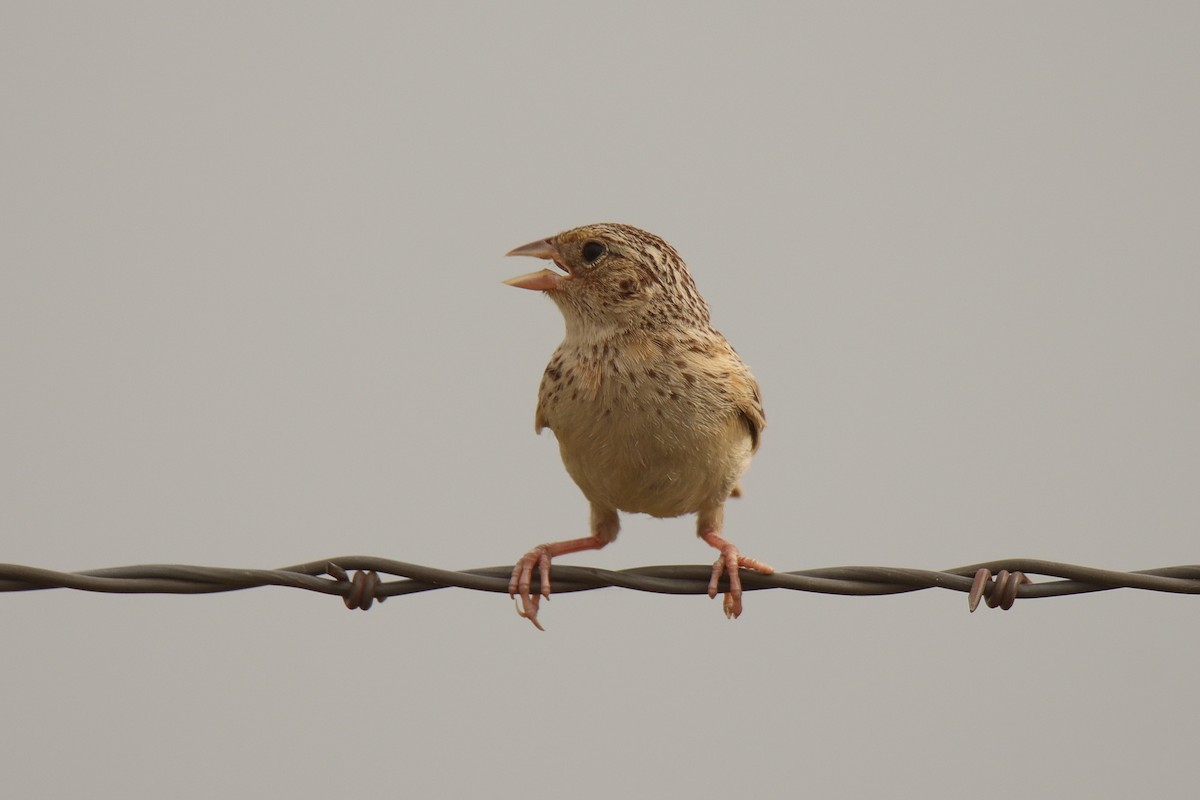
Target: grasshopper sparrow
[[653, 410]]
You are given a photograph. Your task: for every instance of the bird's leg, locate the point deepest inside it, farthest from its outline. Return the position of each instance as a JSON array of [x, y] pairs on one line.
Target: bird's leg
[[709, 528], [604, 529]]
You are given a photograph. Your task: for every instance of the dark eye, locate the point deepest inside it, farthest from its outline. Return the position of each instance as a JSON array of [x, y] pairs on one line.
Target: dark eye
[[592, 251]]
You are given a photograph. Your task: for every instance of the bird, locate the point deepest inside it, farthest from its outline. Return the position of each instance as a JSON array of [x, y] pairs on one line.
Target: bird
[[654, 411]]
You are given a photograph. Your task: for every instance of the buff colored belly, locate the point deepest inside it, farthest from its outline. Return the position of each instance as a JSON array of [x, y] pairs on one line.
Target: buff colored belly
[[646, 464]]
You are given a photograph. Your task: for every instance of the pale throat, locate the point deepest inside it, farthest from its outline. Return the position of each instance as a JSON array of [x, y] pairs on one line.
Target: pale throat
[[584, 329]]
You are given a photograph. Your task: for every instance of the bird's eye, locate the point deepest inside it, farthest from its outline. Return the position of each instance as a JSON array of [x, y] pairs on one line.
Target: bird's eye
[[592, 251]]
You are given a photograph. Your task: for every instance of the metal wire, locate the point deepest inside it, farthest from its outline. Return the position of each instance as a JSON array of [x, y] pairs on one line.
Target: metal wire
[[361, 590]]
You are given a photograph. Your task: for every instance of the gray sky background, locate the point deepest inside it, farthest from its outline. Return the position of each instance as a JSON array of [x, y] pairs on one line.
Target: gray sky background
[[251, 314]]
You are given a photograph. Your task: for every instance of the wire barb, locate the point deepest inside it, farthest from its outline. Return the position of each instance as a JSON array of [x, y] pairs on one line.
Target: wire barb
[[1002, 593], [364, 586], [360, 591]]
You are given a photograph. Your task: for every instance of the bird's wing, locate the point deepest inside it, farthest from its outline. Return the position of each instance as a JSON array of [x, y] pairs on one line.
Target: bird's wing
[[749, 404], [550, 379], [711, 354]]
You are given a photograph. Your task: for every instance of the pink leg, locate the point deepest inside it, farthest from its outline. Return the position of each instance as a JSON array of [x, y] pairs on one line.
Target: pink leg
[[522, 574], [728, 562]]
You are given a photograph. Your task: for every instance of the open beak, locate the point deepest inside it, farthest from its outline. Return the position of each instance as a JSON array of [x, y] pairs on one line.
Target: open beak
[[545, 280]]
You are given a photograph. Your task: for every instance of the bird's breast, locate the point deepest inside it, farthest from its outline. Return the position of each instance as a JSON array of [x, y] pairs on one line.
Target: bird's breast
[[641, 432]]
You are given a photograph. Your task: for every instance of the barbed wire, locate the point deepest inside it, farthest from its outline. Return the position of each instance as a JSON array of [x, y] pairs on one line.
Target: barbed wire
[[999, 582]]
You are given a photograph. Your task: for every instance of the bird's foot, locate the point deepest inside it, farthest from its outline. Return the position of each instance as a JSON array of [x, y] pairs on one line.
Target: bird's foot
[[521, 582], [728, 562], [522, 579]]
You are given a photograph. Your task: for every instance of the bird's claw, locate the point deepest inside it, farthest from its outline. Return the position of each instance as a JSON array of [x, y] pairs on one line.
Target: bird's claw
[[728, 563], [521, 582], [527, 608]]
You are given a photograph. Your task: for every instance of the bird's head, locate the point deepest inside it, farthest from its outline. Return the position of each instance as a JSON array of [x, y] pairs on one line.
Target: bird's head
[[618, 277]]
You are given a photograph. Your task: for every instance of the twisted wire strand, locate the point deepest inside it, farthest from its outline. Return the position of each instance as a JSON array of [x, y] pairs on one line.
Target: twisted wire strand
[[331, 576]]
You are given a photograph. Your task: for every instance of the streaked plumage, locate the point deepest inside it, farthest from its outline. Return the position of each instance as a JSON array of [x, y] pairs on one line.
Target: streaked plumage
[[653, 410]]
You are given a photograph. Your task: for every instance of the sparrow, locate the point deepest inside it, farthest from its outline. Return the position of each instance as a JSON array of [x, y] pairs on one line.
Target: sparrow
[[653, 410]]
